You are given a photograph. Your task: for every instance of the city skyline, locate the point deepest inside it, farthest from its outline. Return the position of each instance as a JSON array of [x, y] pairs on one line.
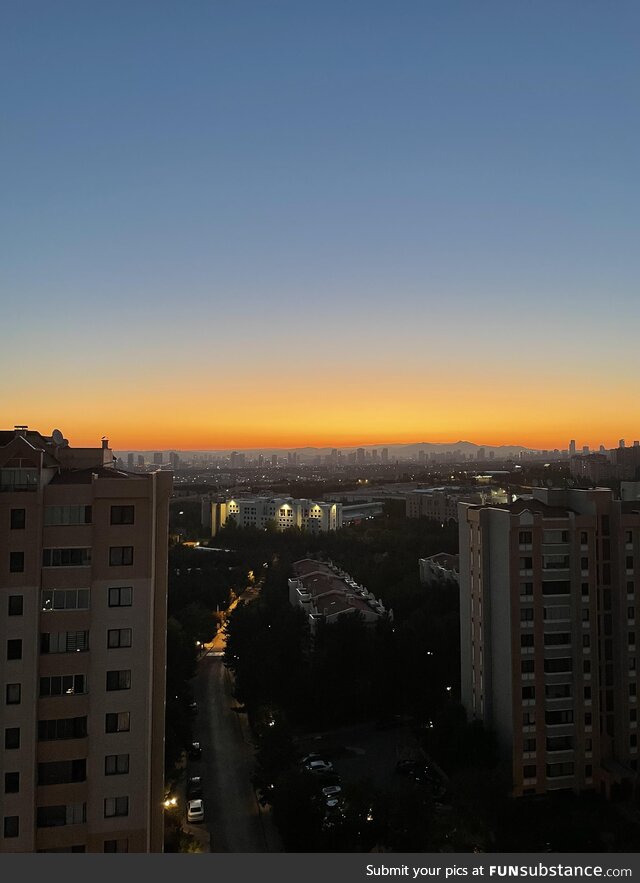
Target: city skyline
[[233, 225]]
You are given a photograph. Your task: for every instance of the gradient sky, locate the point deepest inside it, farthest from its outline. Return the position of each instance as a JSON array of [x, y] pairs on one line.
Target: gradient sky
[[259, 222]]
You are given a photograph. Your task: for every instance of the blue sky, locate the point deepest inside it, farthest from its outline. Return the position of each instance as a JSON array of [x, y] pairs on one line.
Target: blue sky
[[356, 175]]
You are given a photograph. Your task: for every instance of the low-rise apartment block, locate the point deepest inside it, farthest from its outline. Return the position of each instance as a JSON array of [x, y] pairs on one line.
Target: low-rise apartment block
[[282, 512]]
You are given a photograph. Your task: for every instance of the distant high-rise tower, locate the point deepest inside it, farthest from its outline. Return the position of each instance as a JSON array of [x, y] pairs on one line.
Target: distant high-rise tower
[[360, 458], [140, 461], [158, 458], [174, 460], [480, 454], [621, 443], [130, 462], [384, 455], [572, 447]]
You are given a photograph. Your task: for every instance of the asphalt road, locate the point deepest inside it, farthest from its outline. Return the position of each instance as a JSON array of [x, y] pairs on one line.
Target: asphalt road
[[235, 821]]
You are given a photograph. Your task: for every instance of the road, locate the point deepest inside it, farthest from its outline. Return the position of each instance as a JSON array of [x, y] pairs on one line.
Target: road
[[235, 821]]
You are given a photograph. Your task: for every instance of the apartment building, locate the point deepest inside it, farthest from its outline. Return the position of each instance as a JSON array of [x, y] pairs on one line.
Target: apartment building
[[325, 592], [548, 608], [83, 591], [283, 512]]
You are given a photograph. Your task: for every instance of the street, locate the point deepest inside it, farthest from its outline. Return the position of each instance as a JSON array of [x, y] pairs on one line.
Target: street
[[233, 817]]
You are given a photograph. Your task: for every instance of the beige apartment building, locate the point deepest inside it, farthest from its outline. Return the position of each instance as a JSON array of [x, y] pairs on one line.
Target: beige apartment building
[[549, 629], [83, 593]]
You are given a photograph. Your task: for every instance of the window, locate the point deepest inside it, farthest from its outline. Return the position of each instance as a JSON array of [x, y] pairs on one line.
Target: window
[[119, 680], [65, 599], [585, 590], [120, 556], [529, 771], [11, 826], [629, 562], [555, 536], [586, 641], [14, 648], [11, 783], [120, 596], [555, 770], [116, 764], [526, 588], [584, 538], [529, 745], [587, 694], [62, 728], [12, 738], [586, 667], [527, 666], [64, 642], [122, 514], [117, 722], [525, 537], [116, 806], [56, 816], [561, 664], [16, 605], [556, 639], [553, 718], [66, 557], [526, 640], [14, 694], [118, 638], [526, 614], [559, 743], [588, 719], [557, 613], [585, 614], [116, 845], [63, 685], [62, 772], [16, 562], [555, 562], [557, 691], [556, 587], [526, 563], [528, 718], [528, 693], [631, 638], [54, 515], [18, 519]]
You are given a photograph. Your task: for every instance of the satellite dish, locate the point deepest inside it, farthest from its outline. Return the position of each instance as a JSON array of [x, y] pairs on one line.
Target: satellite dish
[[57, 437]]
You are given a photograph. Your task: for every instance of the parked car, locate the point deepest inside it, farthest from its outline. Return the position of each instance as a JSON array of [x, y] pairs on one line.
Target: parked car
[[331, 790], [195, 751], [194, 787], [319, 766], [309, 758], [195, 811]]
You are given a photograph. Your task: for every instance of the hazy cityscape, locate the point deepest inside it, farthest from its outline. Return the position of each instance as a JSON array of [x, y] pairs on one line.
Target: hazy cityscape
[[320, 433]]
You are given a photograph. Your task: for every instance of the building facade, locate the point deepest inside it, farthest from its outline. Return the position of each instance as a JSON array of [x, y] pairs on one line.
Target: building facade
[[83, 583], [283, 512], [548, 611]]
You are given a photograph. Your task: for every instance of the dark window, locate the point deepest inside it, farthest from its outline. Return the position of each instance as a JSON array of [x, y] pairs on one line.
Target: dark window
[[527, 666], [586, 666], [11, 826], [554, 770], [12, 738], [563, 663], [122, 514], [528, 693], [16, 605], [559, 743], [66, 557], [558, 717], [116, 845], [556, 587], [14, 648], [586, 641], [16, 562], [121, 596], [604, 525], [529, 745], [585, 590], [11, 783], [55, 816], [62, 728], [62, 772], [14, 692], [529, 771], [526, 640], [64, 642], [118, 638], [120, 556], [116, 764], [116, 806], [18, 519], [525, 537], [117, 722], [552, 639], [119, 680], [557, 691]]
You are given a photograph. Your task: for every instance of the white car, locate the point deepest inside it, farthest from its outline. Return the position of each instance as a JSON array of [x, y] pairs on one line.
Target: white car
[[319, 766], [195, 811]]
